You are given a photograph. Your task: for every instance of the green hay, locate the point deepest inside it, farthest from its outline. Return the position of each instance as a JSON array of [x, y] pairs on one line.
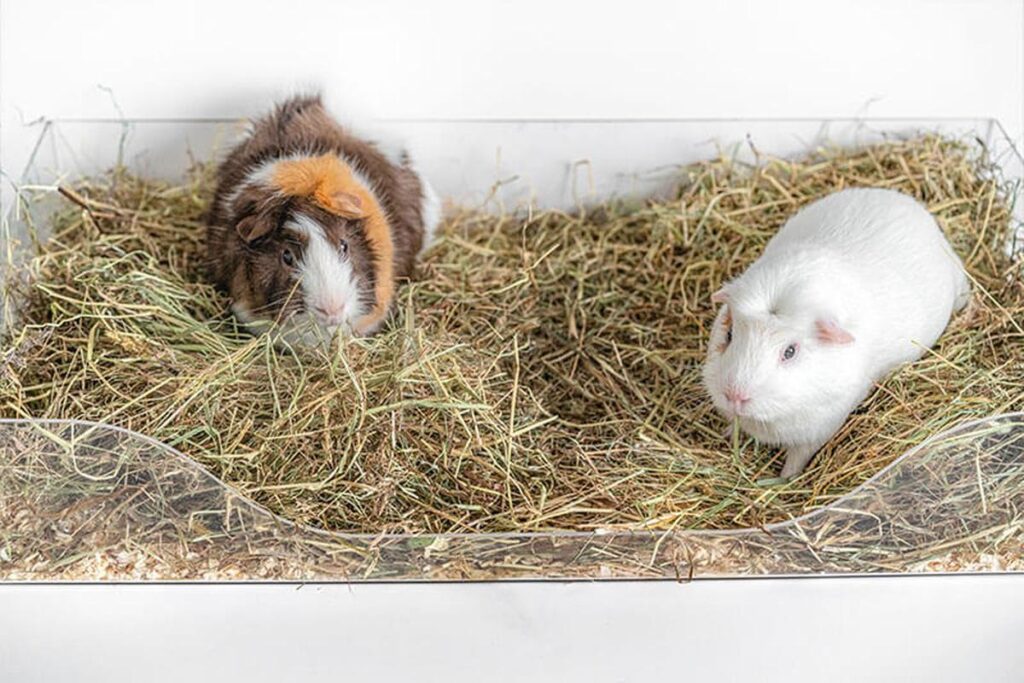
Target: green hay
[[541, 373]]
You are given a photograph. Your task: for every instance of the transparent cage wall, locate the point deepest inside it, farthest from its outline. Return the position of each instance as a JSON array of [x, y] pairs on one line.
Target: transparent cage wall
[[83, 501]]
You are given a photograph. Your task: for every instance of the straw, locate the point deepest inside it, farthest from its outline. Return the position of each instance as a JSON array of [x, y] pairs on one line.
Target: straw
[[542, 372]]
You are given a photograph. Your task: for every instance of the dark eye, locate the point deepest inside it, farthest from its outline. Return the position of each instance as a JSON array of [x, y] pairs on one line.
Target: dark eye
[[343, 246], [288, 257], [728, 336], [790, 352]]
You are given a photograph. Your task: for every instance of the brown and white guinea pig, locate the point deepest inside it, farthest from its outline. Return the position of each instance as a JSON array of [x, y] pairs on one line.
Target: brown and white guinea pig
[[853, 285], [311, 226]]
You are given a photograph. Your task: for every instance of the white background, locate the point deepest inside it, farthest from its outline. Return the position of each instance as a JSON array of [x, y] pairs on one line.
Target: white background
[[521, 59]]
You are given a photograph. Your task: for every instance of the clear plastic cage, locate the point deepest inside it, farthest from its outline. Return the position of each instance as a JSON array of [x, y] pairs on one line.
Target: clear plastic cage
[[83, 501]]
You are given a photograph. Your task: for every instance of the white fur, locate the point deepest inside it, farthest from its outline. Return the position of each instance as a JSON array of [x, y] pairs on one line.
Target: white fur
[[327, 278], [873, 261], [430, 210]]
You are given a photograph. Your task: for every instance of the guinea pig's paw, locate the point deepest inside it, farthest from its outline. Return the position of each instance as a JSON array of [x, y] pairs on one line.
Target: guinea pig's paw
[[797, 458]]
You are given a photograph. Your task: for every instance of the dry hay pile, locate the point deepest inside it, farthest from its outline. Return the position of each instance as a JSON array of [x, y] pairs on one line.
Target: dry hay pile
[[542, 373]]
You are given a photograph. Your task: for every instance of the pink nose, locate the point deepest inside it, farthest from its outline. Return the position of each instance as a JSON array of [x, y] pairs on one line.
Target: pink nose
[[736, 396], [330, 312]]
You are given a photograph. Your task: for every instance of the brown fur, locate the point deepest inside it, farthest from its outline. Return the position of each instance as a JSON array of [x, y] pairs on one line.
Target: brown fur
[[245, 241]]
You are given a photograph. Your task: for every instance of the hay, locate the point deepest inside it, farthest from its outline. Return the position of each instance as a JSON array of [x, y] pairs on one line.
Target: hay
[[542, 373]]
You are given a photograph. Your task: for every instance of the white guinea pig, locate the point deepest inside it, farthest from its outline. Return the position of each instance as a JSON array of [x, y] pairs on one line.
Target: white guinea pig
[[853, 285]]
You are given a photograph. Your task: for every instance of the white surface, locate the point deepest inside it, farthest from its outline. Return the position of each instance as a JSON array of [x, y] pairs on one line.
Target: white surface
[[870, 629], [529, 58]]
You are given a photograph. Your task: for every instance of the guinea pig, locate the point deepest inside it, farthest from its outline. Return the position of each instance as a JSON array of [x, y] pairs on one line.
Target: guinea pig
[[853, 285], [311, 226]]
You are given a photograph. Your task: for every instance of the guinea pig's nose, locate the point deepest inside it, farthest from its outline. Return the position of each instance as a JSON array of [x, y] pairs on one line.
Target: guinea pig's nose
[[736, 396], [331, 312]]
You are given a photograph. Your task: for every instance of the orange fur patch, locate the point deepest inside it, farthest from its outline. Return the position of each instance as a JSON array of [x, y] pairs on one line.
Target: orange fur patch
[[331, 184]]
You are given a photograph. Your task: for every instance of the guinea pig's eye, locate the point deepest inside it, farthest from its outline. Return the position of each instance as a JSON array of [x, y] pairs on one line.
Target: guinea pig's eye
[[728, 336], [343, 247], [789, 353], [288, 257]]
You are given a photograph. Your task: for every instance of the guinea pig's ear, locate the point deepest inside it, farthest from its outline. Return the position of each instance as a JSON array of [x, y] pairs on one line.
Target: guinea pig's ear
[[347, 204], [255, 226], [720, 297], [829, 332]]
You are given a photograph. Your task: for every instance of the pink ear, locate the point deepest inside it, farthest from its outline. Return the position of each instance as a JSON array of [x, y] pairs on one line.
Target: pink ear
[[347, 204], [829, 332], [719, 297]]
